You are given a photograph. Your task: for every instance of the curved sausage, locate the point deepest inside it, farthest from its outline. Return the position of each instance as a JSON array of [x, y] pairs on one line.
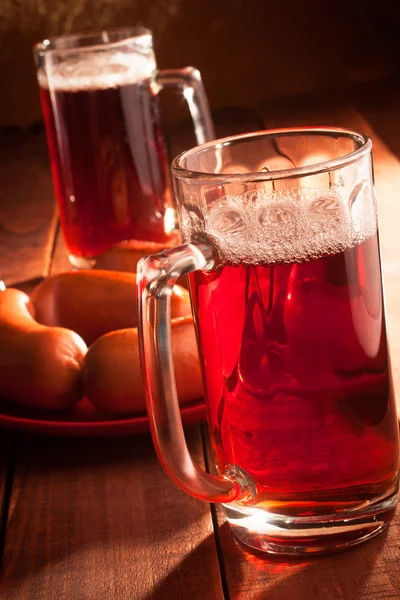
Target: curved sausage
[[40, 367]]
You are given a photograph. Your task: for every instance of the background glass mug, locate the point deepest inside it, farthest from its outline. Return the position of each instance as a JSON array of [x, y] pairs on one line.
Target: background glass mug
[[99, 94], [282, 250]]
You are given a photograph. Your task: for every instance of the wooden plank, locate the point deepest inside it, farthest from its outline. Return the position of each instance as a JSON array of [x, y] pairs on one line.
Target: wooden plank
[[7, 440], [27, 208], [367, 572], [100, 519]]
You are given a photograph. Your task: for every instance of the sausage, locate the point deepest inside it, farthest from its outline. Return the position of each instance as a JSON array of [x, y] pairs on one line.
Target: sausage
[[93, 303], [39, 366], [112, 378]]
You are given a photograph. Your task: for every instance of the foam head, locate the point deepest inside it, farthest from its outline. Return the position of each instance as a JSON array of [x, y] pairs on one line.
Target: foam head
[[286, 226], [93, 71]]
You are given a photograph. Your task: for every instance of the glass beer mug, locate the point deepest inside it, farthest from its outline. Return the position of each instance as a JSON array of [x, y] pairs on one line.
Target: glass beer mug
[[99, 94], [281, 248]]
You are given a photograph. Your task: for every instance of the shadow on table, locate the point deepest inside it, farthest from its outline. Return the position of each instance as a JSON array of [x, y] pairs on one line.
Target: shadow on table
[[358, 573], [196, 577], [349, 575], [101, 517]]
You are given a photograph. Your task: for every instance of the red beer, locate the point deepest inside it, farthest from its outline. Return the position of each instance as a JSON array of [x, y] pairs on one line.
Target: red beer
[[297, 382], [107, 154]]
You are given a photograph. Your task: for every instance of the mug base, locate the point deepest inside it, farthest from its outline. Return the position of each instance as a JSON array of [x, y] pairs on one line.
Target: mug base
[[80, 262], [296, 536]]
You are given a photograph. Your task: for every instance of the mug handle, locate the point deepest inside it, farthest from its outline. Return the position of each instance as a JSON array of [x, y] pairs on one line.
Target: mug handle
[[190, 82], [156, 276]]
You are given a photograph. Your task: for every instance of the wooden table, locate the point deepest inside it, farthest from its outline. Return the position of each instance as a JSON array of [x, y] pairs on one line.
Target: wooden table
[[98, 519]]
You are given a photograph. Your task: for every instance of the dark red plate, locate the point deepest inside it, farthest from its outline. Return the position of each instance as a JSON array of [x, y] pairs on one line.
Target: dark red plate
[[84, 420]]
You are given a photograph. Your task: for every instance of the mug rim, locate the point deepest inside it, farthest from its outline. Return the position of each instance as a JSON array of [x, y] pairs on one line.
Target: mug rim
[[365, 148], [50, 45]]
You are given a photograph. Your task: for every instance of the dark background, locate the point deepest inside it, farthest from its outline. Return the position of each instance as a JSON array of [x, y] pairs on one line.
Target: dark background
[[247, 50]]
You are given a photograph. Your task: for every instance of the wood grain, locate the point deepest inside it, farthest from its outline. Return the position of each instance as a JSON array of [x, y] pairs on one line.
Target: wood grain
[[100, 519], [7, 439], [367, 572], [27, 207]]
